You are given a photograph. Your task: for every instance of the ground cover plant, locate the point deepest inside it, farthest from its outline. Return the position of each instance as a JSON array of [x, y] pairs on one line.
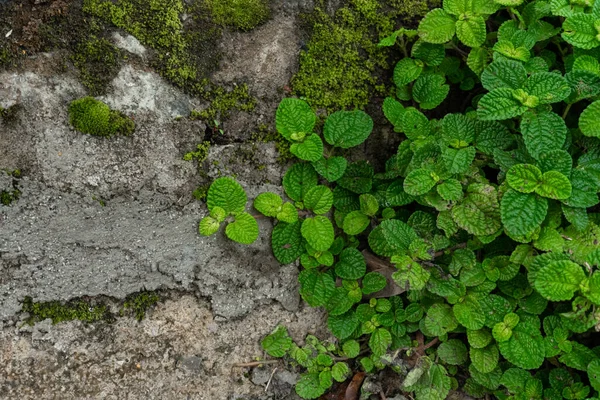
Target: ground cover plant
[[471, 262]]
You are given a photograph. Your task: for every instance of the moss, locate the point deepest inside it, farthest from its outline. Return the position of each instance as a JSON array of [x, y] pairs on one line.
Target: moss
[[200, 154], [94, 117], [9, 114], [61, 312], [7, 197], [200, 192], [137, 304], [240, 14], [98, 63], [100, 201], [266, 135], [223, 101]]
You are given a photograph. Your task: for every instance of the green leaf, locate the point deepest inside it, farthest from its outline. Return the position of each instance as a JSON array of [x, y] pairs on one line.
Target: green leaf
[[440, 320], [298, 180], [294, 116], [589, 120], [593, 372], [559, 280], [218, 214], [431, 54], [347, 129], [286, 242], [478, 59], [548, 87], [269, 204], [524, 178], [373, 282], [355, 222], [288, 213], [453, 352], [479, 339], [415, 124], [522, 213], [478, 212], [351, 264], [485, 360], [228, 194], [419, 181], [430, 90], [331, 168], [576, 216], [458, 130], [318, 199], [368, 204], [508, 49], [501, 332], [554, 185], [393, 111], [437, 26], [593, 288], [504, 73], [379, 341], [277, 343], [525, 348], [406, 71], [318, 232], [450, 189], [311, 149], [580, 31], [457, 161], [410, 273], [391, 237], [309, 386], [491, 135], [469, 314], [543, 132], [358, 177], [340, 371], [351, 348], [579, 358], [584, 85], [316, 288], [584, 190], [243, 230], [556, 160], [471, 30], [343, 326], [499, 104], [208, 226]]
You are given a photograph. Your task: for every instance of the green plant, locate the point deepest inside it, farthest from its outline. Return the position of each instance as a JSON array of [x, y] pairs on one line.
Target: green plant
[[94, 117], [472, 261], [241, 14]]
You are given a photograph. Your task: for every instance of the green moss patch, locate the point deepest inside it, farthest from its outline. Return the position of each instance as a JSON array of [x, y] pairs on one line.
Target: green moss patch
[[137, 304], [98, 62], [94, 117], [61, 312], [240, 14]]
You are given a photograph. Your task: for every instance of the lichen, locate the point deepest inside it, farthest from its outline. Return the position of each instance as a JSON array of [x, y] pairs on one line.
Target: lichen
[[60, 312], [98, 61], [200, 154], [137, 304], [240, 14], [93, 117]]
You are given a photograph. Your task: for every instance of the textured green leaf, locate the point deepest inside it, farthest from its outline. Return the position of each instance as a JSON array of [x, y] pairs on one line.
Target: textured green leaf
[[396, 196], [485, 359], [393, 111], [593, 372], [415, 124], [525, 348], [316, 288], [471, 30], [458, 130], [478, 212], [410, 274], [351, 264], [469, 314], [453, 352], [592, 291], [437, 26], [332, 168], [522, 213], [431, 54], [358, 177], [559, 280], [298, 180], [501, 332], [548, 87], [584, 190], [478, 59], [277, 343], [318, 232], [490, 135], [318, 199], [457, 7], [228, 194], [579, 31], [450, 189], [514, 379], [208, 226], [379, 341], [556, 160], [440, 319], [268, 204], [508, 49], [589, 121], [342, 326], [579, 358], [340, 371], [499, 104], [347, 129], [543, 132], [391, 237], [294, 116], [288, 213], [479, 339], [554, 185], [286, 241], [373, 282], [368, 204], [311, 149], [355, 222], [419, 182], [457, 161], [524, 178], [576, 216], [584, 85], [430, 90], [504, 73], [243, 230], [407, 70], [309, 386]]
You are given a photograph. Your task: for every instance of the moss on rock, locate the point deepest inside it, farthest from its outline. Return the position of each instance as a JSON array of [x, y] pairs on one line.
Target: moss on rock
[[98, 62], [93, 117], [62, 312], [240, 14], [137, 304]]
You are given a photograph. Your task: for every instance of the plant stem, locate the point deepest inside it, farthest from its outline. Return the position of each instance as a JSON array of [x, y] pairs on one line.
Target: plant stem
[[567, 108]]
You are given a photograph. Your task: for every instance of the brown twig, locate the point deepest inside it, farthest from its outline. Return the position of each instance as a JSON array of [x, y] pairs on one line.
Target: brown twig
[[255, 363]]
